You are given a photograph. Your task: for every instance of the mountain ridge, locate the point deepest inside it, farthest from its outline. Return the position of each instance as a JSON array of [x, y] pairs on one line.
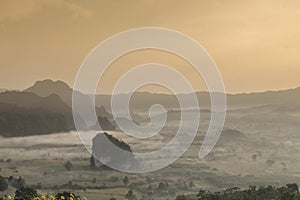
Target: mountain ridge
[[144, 100]]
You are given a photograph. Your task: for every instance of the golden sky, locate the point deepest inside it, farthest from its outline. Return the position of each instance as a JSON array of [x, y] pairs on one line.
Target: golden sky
[[255, 43]]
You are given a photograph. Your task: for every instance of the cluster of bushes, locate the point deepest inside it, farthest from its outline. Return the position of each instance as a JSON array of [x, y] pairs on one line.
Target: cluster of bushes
[[27, 193], [288, 192], [24, 192], [16, 182]]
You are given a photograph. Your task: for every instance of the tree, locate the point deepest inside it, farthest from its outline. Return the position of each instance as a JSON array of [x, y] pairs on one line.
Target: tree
[[3, 184], [293, 187], [126, 180], [68, 165], [26, 193], [191, 184], [162, 186], [94, 180], [130, 195], [16, 182], [148, 179], [114, 179], [92, 162], [181, 197], [112, 198]]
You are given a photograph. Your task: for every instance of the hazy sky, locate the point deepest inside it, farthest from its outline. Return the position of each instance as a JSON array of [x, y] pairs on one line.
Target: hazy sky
[[255, 43]]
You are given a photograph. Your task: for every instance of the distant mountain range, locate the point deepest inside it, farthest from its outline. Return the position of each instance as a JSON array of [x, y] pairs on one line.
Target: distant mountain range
[[53, 100], [42, 109], [30, 100], [141, 101], [283, 97]]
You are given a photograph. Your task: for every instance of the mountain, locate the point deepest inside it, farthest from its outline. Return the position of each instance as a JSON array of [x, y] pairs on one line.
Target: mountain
[[49, 104], [103, 112], [29, 100], [24, 113], [31, 109], [48, 87], [284, 97], [142, 101], [102, 149]]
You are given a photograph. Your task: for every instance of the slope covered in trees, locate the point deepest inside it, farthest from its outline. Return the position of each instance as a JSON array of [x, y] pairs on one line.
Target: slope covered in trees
[[24, 114], [288, 192]]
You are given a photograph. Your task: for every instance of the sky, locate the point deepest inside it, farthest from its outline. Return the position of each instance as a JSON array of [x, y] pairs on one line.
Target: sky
[[254, 43]]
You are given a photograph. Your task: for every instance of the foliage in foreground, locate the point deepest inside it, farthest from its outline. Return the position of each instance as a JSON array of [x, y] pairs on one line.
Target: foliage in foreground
[[288, 192], [27, 193]]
